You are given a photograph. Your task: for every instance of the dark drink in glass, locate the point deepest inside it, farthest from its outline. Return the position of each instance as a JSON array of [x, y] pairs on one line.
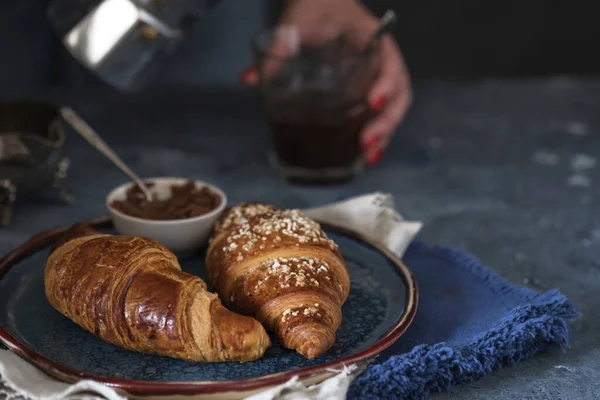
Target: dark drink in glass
[[316, 107], [311, 132]]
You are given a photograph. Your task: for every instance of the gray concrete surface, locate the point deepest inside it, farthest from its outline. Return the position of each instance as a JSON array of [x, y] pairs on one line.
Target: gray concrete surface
[[487, 166]]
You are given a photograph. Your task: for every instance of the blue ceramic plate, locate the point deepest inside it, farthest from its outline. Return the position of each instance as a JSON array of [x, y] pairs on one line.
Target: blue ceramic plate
[[381, 305]]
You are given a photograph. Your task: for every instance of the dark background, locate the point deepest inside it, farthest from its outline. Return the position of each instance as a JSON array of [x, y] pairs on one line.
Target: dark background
[[459, 39], [469, 38]]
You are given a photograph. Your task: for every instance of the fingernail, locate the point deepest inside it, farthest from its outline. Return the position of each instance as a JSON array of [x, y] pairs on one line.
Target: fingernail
[[378, 104], [248, 74], [371, 141], [375, 157]]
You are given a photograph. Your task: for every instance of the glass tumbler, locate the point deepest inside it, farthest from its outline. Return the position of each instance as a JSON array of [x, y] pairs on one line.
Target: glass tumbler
[[315, 95]]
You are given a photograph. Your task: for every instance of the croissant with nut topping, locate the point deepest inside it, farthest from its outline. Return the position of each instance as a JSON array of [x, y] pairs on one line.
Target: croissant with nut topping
[[279, 267], [130, 291]]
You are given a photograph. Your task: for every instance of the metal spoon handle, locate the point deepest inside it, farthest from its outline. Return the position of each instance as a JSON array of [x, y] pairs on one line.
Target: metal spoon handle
[[95, 140], [385, 23]]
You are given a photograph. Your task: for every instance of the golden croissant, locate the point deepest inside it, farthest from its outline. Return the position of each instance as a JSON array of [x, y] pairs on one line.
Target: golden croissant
[[130, 291], [280, 267]]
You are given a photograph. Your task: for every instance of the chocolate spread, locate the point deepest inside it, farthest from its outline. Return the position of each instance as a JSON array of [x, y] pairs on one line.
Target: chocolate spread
[[186, 201]]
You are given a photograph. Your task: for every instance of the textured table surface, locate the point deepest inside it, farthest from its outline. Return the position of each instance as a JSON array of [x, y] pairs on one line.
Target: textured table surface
[[505, 170]]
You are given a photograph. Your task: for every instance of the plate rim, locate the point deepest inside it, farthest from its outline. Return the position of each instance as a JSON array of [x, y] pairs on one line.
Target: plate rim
[[66, 373]]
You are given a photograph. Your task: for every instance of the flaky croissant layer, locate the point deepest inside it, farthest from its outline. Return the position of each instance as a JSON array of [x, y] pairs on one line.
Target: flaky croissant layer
[[131, 292], [280, 267]]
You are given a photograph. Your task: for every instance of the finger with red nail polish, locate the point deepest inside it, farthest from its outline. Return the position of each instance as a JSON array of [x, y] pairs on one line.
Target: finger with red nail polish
[[370, 141], [249, 76], [378, 104], [374, 157]]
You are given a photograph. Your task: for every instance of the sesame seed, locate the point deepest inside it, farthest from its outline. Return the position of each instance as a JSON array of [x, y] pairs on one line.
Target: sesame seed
[[285, 315], [239, 215], [310, 311]]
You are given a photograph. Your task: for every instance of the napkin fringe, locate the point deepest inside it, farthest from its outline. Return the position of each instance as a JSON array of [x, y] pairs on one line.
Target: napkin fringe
[[524, 332]]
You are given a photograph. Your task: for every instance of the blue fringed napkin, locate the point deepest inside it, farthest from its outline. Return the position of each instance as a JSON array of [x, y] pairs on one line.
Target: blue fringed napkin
[[470, 321]]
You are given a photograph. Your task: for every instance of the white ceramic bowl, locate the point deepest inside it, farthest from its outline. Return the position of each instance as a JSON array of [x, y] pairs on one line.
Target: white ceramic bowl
[[181, 236]]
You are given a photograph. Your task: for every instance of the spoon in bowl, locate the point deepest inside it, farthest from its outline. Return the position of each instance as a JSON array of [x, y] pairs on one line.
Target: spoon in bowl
[[81, 127]]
